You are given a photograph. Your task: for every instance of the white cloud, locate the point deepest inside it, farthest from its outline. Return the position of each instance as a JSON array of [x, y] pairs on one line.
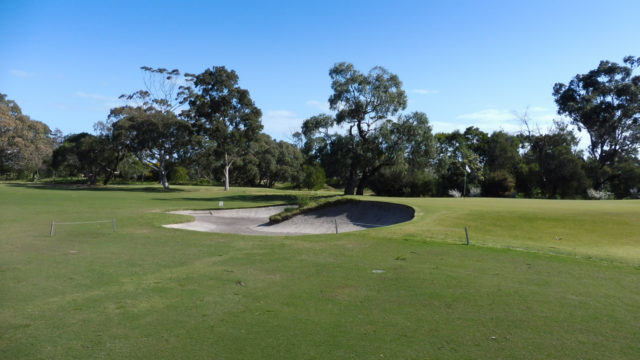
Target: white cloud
[[281, 124], [320, 105], [425, 91], [22, 74]]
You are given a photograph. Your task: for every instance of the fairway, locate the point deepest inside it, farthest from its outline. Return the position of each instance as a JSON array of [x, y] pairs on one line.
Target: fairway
[[542, 279]]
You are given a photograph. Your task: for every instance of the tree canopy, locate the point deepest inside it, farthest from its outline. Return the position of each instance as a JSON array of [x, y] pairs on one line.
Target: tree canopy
[[24, 143], [605, 102], [223, 114]]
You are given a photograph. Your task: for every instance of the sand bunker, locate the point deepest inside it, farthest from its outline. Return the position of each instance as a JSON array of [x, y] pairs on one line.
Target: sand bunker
[[255, 221]]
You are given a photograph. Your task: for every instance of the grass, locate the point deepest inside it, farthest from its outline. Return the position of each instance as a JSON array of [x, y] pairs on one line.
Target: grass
[[542, 279]]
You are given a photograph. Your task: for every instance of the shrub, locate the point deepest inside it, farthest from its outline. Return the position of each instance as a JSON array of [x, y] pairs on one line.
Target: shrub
[[499, 183], [178, 174], [314, 177], [399, 181]]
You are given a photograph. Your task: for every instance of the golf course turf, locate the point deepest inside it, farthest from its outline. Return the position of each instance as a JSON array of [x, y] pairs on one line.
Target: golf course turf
[[542, 279]]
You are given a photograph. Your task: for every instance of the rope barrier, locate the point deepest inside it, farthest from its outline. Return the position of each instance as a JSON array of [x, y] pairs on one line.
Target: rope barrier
[[83, 222], [54, 223]]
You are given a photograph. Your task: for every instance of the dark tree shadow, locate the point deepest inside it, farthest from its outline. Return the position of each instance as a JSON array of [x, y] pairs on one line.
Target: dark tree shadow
[[280, 198], [85, 187]]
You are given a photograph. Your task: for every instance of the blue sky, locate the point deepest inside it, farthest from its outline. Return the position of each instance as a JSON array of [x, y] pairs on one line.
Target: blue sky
[[463, 63]]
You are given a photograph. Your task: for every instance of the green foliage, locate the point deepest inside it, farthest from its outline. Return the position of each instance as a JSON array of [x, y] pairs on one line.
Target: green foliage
[[364, 103], [152, 130], [552, 166], [498, 184], [314, 177], [179, 174], [223, 114], [605, 102], [24, 143], [403, 181]]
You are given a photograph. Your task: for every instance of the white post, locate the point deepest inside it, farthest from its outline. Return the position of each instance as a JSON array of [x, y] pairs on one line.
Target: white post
[[114, 224], [53, 224]]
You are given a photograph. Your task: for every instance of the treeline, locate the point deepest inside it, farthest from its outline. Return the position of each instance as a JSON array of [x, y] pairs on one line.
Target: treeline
[[209, 130]]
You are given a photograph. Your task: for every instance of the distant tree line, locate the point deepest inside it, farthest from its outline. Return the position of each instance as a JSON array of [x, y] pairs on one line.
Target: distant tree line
[[204, 128], [368, 143]]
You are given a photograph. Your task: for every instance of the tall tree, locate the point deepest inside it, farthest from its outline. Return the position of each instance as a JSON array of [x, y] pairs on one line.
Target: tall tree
[[223, 114], [363, 103], [80, 153], [24, 143], [150, 127], [552, 165], [155, 137], [606, 103], [456, 155]]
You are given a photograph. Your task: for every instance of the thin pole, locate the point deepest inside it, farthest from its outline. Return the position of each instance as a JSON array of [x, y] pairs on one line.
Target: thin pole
[[466, 231], [336, 221], [51, 229], [114, 224], [464, 189]]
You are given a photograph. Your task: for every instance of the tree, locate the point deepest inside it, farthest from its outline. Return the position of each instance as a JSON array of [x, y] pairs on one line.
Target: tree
[[605, 102], [363, 103], [223, 114], [455, 155], [151, 128], [80, 153], [501, 152], [114, 149], [155, 137], [24, 143], [552, 165]]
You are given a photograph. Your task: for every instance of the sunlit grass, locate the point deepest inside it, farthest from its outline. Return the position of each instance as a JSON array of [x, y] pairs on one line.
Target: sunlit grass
[[529, 287]]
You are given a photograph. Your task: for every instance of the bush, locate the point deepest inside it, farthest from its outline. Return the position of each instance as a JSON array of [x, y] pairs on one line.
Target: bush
[[499, 184], [314, 177], [399, 181], [178, 174]]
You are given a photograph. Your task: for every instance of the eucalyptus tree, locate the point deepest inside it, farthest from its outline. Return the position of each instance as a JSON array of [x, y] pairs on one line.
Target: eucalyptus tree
[[552, 165], [223, 114], [150, 127], [605, 102], [24, 143], [363, 103]]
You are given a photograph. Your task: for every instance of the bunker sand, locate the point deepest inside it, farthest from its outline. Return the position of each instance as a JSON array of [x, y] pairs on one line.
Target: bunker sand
[[255, 221]]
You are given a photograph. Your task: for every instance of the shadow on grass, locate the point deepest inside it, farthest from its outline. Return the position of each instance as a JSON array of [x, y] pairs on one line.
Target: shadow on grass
[[85, 187], [239, 197]]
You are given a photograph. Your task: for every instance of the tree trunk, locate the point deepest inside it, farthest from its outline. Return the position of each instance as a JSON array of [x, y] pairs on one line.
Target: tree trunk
[[107, 178], [349, 185], [226, 177], [362, 183], [227, 165], [163, 179]]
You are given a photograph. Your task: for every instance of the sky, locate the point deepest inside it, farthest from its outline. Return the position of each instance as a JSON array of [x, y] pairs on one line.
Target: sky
[[463, 63]]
